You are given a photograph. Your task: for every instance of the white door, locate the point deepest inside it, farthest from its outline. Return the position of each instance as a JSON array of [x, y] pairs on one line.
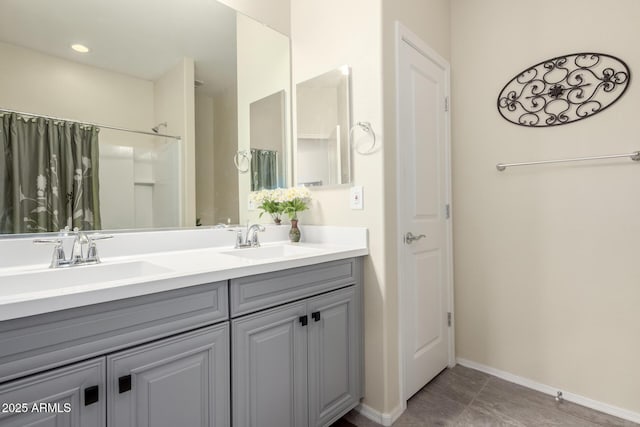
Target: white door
[[423, 191]]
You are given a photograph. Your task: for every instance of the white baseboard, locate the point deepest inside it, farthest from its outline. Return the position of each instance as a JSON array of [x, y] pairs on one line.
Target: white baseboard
[[386, 419], [547, 389]]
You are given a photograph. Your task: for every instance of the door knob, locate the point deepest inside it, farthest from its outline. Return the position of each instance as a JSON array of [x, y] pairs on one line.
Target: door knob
[[409, 238]]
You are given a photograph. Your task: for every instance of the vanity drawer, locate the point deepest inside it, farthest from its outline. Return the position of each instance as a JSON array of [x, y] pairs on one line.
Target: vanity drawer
[[45, 341], [253, 293]]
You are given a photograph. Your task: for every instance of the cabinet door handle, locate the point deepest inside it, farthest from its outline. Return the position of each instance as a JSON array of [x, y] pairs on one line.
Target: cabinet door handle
[[91, 395], [303, 320], [316, 316], [124, 384]]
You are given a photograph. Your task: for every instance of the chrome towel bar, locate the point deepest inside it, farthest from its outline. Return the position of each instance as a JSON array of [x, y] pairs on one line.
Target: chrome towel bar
[[635, 156]]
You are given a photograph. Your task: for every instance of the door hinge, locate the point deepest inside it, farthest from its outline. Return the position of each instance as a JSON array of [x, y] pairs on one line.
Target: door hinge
[[447, 211], [449, 319], [446, 103]]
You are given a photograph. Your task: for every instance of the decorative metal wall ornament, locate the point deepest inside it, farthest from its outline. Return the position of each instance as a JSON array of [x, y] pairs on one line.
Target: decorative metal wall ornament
[[564, 89]]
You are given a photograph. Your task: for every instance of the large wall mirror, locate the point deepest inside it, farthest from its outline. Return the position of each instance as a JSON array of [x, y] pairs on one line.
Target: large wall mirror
[[175, 88], [323, 119]]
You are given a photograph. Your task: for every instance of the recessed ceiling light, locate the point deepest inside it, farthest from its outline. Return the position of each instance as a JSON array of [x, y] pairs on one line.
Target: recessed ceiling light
[[80, 48]]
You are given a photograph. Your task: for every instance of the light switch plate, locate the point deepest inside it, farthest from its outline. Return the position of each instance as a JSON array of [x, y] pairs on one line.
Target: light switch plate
[[356, 199]]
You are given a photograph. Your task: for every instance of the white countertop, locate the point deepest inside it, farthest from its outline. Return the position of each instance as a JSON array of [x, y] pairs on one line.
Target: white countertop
[[169, 269]]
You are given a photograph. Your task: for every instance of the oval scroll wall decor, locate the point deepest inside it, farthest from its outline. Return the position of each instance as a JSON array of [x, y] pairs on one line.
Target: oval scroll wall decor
[[564, 89]]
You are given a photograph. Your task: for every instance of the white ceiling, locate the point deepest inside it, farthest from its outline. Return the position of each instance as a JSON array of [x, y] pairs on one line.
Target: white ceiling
[[141, 38]]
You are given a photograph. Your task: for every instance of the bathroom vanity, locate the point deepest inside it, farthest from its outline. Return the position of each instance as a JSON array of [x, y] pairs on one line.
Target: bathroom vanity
[[269, 336]]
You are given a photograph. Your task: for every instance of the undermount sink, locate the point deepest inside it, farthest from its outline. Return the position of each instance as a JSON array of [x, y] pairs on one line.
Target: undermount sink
[[273, 252], [48, 279]]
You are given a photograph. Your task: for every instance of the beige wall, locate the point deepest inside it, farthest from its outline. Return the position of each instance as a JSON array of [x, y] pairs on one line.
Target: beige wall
[[263, 69], [36, 83], [325, 35], [273, 13], [545, 280], [367, 45]]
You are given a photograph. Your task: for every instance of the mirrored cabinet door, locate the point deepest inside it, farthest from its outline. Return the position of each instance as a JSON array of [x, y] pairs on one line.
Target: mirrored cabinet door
[[323, 114]]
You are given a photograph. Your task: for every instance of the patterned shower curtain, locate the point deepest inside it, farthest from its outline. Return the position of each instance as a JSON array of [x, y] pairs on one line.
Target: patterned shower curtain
[[264, 169], [48, 175]]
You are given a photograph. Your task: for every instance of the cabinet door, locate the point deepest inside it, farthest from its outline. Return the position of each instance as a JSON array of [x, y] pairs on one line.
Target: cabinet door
[[334, 355], [269, 380], [182, 381], [66, 397]]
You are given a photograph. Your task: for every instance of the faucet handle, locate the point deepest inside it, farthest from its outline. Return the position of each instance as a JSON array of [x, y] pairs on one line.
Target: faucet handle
[[92, 250], [55, 241], [239, 242], [99, 236], [58, 258]]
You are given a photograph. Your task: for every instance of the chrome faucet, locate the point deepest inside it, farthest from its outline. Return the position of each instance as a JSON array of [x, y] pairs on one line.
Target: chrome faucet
[[252, 235], [250, 240], [84, 250]]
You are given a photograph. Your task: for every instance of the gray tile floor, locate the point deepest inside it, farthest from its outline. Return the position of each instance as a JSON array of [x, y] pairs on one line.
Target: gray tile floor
[[465, 397]]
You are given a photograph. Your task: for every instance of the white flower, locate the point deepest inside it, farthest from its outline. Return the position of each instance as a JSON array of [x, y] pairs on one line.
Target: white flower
[[258, 197], [276, 194], [280, 195], [85, 162], [293, 193]]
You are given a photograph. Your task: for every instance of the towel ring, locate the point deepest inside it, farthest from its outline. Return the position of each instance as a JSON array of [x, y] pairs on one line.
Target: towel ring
[[239, 157], [366, 127]]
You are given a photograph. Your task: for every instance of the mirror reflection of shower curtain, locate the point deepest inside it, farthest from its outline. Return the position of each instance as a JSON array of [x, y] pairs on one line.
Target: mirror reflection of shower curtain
[[264, 169], [49, 175]]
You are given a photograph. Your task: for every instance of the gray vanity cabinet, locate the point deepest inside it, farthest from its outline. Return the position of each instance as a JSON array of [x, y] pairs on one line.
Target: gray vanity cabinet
[[270, 368], [179, 381], [297, 364], [333, 355], [164, 360], [73, 396]]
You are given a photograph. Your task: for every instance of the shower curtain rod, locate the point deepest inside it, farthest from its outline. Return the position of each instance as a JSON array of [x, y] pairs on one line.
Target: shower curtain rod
[[635, 156], [4, 110]]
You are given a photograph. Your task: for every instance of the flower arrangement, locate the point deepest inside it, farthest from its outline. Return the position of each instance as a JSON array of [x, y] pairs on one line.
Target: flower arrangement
[[294, 200], [267, 201], [280, 201]]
